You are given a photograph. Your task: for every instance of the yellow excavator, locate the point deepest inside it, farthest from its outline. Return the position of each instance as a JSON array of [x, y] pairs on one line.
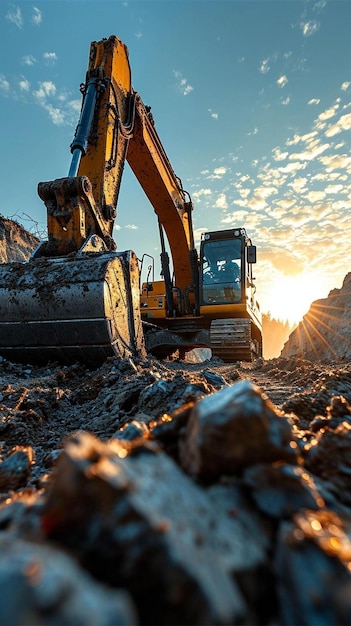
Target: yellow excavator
[[78, 298]]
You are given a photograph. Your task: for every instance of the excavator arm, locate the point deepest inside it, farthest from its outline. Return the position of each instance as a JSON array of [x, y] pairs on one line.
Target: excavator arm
[[115, 126]]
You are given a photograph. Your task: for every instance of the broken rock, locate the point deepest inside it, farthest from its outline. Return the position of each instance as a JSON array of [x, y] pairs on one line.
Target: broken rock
[[137, 521], [16, 468], [233, 428], [312, 568], [280, 489], [40, 585]]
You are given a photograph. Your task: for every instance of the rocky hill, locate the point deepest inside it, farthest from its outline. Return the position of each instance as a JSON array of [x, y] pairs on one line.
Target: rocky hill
[[325, 331], [16, 243]]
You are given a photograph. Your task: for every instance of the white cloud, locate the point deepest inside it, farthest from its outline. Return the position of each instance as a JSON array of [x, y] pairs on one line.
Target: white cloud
[[314, 101], [56, 115], [345, 85], [14, 15], [244, 193], [218, 172], [24, 84], [309, 28], [326, 115], [213, 114], [44, 94], [265, 192], [331, 189], [37, 17], [329, 176], [257, 203], [336, 162], [312, 151], [292, 167], [264, 66], [221, 202], [315, 196], [182, 83], [320, 5], [344, 123], [236, 217], [285, 101], [76, 105], [298, 184], [46, 88], [278, 155], [132, 227], [282, 81], [4, 84], [201, 192], [49, 57], [28, 60], [301, 138]]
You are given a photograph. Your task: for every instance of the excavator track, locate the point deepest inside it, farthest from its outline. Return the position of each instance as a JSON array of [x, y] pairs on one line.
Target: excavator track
[[70, 309], [231, 340]]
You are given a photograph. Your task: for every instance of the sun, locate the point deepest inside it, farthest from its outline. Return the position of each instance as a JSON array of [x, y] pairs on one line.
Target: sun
[[290, 297]]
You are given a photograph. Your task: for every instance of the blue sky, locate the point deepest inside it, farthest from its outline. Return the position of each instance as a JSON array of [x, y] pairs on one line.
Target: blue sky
[[251, 99]]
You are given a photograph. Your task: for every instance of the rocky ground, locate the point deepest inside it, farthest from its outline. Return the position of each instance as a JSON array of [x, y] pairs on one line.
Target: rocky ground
[[181, 493], [164, 492]]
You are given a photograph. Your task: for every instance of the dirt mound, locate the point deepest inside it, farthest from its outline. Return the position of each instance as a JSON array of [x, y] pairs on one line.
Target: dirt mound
[[16, 243], [325, 331]]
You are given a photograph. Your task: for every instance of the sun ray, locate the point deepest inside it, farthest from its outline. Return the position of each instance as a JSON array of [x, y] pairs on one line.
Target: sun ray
[[318, 330]]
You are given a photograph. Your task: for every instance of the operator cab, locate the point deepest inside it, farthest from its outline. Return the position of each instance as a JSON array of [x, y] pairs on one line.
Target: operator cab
[[223, 266]]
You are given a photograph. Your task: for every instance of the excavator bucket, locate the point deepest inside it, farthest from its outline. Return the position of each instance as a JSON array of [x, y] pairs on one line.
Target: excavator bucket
[[71, 309]]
